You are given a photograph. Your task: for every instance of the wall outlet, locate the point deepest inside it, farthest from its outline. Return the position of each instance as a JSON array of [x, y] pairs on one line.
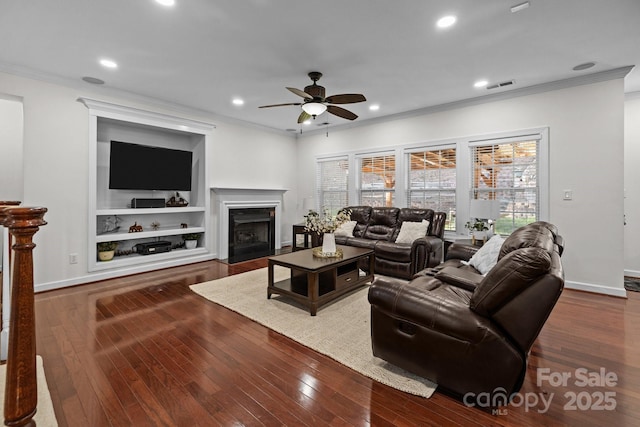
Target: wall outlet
[[73, 258]]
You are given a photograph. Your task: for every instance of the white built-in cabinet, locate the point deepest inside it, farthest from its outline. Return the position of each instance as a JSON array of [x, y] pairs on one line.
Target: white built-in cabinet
[[109, 122]]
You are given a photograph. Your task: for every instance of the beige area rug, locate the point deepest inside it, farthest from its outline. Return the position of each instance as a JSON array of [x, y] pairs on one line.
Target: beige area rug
[[340, 330], [45, 416]]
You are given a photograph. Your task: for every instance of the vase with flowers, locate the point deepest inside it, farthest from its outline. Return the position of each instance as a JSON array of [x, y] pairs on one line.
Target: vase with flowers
[[324, 225]]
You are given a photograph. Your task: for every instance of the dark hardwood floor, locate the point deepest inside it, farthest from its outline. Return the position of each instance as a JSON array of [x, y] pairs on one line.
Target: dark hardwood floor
[[145, 350]]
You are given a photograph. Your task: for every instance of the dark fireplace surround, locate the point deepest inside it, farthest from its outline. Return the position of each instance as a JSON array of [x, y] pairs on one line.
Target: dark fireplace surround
[[252, 233]]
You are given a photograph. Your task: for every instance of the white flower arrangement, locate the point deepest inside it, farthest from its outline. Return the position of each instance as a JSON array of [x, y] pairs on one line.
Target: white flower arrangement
[[326, 223]]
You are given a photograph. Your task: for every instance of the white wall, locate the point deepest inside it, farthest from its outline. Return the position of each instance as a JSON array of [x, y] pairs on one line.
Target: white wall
[[56, 134], [11, 149], [586, 137], [632, 184], [586, 134]]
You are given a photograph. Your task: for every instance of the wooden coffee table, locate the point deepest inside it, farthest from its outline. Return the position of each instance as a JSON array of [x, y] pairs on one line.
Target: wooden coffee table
[[314, 281]]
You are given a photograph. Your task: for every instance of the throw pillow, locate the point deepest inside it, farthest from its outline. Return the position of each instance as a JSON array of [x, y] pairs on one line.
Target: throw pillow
[[346, 229], [410, 231], [487, 256]]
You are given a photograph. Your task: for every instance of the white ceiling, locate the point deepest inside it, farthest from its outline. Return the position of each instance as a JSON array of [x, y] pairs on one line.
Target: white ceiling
[[203, 53]]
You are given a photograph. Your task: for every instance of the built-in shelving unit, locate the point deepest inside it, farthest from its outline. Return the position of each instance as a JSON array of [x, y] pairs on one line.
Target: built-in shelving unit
[[110, 214]]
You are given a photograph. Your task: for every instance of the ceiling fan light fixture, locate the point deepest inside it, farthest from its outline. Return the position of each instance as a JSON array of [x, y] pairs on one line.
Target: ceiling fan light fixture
[[314, 108]]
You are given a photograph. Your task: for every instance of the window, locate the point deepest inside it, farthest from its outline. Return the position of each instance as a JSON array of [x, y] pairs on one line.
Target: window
[[432, 182], [508, 172], [377, 180], [333, 188]]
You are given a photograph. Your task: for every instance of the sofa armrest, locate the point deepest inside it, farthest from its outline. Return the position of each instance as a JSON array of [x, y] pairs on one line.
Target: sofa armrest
[[460, 277], [428, 303], [461, 251], [433, 251]]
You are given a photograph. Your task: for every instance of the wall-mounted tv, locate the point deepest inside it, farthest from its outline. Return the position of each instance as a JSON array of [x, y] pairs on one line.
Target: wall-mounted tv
[[141, 167]]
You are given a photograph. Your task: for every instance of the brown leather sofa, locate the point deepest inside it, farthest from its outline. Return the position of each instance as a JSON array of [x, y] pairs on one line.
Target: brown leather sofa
[[467, 332], [377, 229]]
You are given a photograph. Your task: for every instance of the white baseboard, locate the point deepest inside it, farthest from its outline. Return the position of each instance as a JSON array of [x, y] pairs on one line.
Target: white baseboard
[[94, 277], [598, 289]]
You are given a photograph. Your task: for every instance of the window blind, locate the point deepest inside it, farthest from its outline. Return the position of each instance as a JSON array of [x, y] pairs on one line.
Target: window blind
[[377, 179], [508, 172], [432, 182], [333, 188]]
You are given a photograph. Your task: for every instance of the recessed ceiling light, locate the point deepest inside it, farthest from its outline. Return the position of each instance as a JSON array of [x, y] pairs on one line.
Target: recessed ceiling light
[[237, 101], [306, 122], [480, 83], [446, 21], [374, 107], [93, 80], [584, 66], [108, 63], [166, 2]]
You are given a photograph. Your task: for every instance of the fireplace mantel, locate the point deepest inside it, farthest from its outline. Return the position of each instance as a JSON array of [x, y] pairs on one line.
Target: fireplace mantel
[[228, 198]]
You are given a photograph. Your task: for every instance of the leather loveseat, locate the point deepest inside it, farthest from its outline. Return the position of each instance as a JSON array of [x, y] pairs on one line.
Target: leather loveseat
[[378, 228], [471, 333]]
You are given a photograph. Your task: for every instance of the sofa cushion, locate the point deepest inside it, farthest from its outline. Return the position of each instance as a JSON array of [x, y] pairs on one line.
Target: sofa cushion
[[514, 272], [382, 223], [358, 242], [410, 231], [532, 235], [393, 251], [346, 229], [487, 256], [360, 214]]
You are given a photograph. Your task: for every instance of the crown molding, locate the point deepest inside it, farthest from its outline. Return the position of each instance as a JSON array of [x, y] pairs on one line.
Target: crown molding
[[616, 73], [122, 95]]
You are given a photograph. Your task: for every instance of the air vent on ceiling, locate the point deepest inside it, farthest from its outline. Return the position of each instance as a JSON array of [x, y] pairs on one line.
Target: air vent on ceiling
[[503, 84]]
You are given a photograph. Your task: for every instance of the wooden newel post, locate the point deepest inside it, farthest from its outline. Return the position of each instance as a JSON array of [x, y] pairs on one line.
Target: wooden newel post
[[21, 392]]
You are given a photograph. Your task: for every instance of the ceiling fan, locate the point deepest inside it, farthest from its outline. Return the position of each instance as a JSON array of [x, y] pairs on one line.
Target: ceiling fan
[[315, 102]]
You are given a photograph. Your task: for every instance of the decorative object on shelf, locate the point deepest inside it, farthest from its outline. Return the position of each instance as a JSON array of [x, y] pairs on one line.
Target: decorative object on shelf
[[478, 229], [155, 225], [177, 201], [111, 224], [191, 240], [184, 225], [135, 228], [324, 226], [106, 250], [319, 253]]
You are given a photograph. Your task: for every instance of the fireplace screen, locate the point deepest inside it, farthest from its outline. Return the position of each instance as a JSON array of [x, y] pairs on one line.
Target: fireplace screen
[[251, 233]]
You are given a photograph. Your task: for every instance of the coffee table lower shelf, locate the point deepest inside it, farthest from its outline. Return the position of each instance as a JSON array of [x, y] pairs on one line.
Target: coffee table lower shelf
[[315, 282]]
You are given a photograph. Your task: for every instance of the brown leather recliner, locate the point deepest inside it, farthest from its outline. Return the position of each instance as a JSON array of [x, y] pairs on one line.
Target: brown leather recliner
[[378, 227], [467, 332]]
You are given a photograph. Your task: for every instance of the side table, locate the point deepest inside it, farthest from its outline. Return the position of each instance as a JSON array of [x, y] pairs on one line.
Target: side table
[[310, 239], [462, 240]]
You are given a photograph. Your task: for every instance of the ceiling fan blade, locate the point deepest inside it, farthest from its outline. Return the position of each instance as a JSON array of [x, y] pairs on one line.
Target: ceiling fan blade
[[303, 117], [280, 105], [341, 112], [346, 98], [301, 93]]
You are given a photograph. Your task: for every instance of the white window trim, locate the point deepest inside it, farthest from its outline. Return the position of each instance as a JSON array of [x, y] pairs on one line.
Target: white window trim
[[463, 180]]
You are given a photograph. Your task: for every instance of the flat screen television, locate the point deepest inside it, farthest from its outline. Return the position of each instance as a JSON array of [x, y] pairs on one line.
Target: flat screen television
[[141, 167]]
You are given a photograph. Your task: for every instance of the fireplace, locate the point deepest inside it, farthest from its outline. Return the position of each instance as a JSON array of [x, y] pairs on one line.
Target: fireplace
[[228, 199], [251, 233]]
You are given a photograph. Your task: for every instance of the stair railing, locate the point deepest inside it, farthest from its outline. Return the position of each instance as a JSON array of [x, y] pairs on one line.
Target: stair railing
[[21, 389]]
